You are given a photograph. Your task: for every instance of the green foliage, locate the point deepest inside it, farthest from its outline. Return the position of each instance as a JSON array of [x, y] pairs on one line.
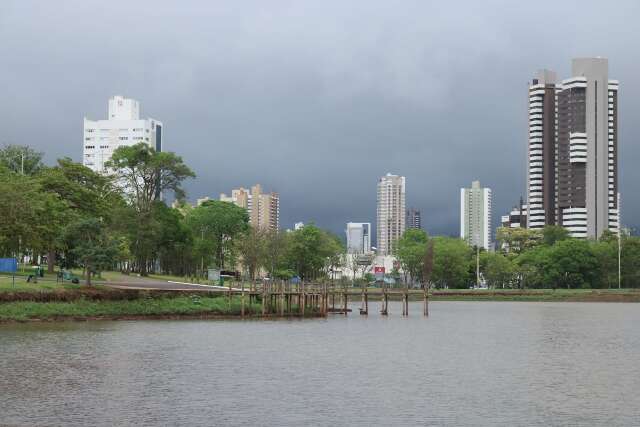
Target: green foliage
[[551, 234], [144, 174], [410, 251], [214, 225], [451, 262], [251, 244], [22, 208], [310, 250], [92, 246], [518, 240], [21, 159], [498, 271]]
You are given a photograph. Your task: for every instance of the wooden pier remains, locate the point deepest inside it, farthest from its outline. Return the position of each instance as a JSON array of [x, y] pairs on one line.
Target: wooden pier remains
[[283, 299]]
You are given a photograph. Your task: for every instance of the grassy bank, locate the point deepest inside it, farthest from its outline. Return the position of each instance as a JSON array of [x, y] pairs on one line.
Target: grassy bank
[[159, 307], [566, 295]]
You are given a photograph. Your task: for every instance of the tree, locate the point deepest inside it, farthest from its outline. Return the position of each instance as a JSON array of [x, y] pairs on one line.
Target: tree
[[554, 233], [275, 247], [143, 174], [606, 254], [92, 246], [518, 240], [251, 245], [21, 208], [172, 240], [77, 192], [451, 259], [630, 262], [21, 159], [573, 264], [498, 271], [309, 250], [214, 224], [410, 251]]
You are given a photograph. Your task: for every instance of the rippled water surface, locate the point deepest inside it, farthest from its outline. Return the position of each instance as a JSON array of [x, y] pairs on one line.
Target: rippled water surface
[[469, 363]]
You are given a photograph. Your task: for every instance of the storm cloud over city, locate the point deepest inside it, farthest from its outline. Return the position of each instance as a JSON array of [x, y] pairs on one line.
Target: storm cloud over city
[[317, 100]]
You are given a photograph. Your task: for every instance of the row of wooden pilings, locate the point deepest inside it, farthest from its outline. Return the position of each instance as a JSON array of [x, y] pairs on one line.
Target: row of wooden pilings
[[288, 299]]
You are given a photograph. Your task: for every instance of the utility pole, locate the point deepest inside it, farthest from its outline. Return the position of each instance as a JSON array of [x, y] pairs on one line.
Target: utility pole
[[477, 266], [22, 163], [619, 258]]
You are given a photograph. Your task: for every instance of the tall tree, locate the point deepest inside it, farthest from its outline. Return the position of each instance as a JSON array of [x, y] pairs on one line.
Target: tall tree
[[21, 210], [214, 225], [21, 159], [143, 174], [410, 251], [451, 261], [78, 192], [251, 245]]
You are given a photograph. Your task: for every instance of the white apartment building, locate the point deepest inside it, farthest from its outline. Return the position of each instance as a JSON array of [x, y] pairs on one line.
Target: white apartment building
[[122, 127], [358, 237], [391, 211], [475, 215]]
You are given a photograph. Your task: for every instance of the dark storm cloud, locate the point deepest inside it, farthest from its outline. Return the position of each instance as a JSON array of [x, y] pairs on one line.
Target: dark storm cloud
[[316, 100]]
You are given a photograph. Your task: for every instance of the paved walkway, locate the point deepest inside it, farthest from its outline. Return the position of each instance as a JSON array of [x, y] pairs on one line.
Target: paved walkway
[[137, 282]]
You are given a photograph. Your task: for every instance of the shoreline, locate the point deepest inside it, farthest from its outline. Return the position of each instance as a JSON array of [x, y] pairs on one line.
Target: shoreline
[[92, 304]]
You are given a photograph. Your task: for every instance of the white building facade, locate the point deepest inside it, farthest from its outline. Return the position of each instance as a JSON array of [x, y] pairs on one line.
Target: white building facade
[[123, 127], [391, 210], [475, 215], [358, 237]]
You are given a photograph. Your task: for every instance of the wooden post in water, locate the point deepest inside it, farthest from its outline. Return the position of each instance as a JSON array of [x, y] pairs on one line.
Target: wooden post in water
[[425, 300], [302, 298], [242, 301], [385, 309], [264, 297], [346, 301]]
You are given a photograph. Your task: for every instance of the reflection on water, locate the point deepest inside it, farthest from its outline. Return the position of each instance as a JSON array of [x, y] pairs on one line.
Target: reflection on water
[[469, 363]]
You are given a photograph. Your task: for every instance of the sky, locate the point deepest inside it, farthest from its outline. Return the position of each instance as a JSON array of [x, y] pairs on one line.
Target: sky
[[317, 99]]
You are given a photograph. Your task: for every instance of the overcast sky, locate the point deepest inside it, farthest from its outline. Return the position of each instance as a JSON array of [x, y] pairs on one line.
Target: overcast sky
[[316, 100]]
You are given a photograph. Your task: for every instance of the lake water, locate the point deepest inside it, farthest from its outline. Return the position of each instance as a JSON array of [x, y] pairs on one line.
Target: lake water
[[469, 363]]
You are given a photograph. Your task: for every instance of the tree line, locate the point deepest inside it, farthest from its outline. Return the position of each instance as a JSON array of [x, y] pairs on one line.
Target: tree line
[[73, 217], [525, 258]]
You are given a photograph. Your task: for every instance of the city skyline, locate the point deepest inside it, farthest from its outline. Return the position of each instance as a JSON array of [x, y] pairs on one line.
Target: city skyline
[[416, 98]]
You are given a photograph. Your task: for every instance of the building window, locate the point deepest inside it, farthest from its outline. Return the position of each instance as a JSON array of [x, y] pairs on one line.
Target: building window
[[123, 138]]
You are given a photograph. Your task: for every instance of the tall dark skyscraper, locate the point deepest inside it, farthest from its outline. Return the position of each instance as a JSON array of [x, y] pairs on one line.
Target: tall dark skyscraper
[[414, 219], [573, 150]]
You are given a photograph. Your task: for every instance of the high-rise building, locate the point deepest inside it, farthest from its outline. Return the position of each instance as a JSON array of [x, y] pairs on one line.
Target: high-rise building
[[413, 219], [263, 208], [517, 218], [358, 237], [542, 149], [475, 215], [390, 212], [123, 126], [573, 150]]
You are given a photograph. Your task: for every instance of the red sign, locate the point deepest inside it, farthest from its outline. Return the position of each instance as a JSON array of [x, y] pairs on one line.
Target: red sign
[[377, 270]]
